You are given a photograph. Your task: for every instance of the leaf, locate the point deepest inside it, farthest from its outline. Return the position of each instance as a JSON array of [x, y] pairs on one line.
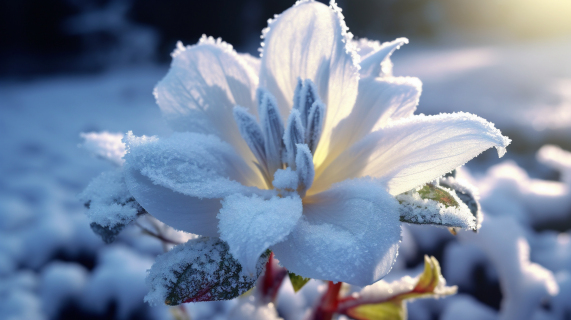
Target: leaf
[[384, 301], [200, 270], [435, 205], [297, 281], [467, 194]]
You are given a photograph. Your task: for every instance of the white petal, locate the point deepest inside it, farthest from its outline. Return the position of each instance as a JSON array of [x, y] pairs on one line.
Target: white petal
[[414, 151], [377, 62], [175, 209], [250, 225], [204, 83], [310, 41], [193, 164], [350, 233], [380, 100]]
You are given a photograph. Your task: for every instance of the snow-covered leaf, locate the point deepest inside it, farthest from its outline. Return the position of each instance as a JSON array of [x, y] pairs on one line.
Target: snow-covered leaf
[[382, 300], [200, 270], [467, 194], [436, 206], [297, 281], [110, 206]]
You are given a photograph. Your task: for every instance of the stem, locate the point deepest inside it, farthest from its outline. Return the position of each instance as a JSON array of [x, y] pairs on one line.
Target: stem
[[156, 235], [329, 302], [272, 279]]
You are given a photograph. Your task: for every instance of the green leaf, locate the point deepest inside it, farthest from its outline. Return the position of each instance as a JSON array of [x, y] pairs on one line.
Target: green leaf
[[434, 205], [297, 281], [467, 194], [200, 270], [429, 284]]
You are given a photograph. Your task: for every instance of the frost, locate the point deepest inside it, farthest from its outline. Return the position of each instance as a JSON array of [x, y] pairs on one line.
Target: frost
[[294, 134], [200, 270], [273, 129], [110, 205], [251, 133], [315, 124], [105, 145], [467, 193], [193, 164], [250, 225], [307, 96], [436, 206], [305, 169], [286, 180]]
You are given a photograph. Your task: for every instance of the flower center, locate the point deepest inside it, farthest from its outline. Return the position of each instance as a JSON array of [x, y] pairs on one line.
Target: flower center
[[283, 152]]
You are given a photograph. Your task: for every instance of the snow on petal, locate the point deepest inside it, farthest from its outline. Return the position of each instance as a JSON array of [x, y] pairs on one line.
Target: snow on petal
[[310, 41], [250, 225], [193, 164], [413, 151], [380, 101], [204, 83], [378, 63], [175, 209], [350, 233]]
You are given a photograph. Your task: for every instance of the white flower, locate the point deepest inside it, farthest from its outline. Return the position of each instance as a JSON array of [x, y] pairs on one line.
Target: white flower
[[309, 163]]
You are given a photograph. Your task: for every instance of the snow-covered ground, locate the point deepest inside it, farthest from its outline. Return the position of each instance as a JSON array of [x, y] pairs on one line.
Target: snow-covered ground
[[53, 266]]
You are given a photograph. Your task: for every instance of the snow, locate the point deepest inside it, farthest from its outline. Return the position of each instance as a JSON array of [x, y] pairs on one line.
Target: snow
[[105, 145]]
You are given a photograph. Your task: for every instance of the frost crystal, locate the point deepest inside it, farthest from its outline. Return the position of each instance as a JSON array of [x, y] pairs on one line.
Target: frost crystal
[[200, 270]]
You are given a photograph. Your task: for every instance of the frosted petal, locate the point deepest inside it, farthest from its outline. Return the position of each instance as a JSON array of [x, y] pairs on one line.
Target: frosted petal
[[193, 164], [304, 165], [315, 124], [380, 100], [175, 209], [350, 233], [414, 151], [377, 62], [251, 133], [204, 83], [294, 134], [310, 41], [250, 225]]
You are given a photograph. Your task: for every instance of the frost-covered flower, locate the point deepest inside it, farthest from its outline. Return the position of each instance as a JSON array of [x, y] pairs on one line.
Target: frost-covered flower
[[301, 152]]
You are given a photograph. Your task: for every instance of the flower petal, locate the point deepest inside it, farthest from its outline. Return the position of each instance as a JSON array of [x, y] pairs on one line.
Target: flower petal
[[414, 151], [377, 62], [350, 233], [250, 225], [179, 211], [380, 100], [310, 41], [193, 164], [204, 83]]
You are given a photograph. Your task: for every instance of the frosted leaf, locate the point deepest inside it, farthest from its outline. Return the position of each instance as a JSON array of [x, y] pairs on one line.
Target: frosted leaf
[[251, 133], [315, 124], [349, 233], [304, 165], [436, 206], [273, 129], [192, 164], [294, 134], [250, 225], [413, 151], [467, 194], [105, 145], [110, 206], [377, 63], [200, 270]]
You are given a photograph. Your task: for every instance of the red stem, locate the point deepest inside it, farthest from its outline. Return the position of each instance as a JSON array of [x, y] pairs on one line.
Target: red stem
[[329, 302]]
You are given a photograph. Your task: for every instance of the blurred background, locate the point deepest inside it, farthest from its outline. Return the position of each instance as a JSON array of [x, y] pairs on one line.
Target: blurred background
[[73, 66]]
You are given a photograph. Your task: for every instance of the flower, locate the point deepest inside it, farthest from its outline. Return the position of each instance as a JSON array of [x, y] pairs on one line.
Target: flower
[[301, 151]]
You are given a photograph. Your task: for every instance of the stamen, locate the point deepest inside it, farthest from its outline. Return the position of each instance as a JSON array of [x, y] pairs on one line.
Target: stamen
[[305, 169], [315, 125], [296, 94], [251, 133], [273, 130], [307, 96], [294, 134]]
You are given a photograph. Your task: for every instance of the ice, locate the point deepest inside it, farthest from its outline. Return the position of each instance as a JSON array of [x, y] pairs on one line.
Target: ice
[[105, 145], [250, 225]]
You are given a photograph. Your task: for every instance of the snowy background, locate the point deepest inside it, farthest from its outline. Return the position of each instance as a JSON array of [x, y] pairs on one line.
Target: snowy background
[[72, 66]]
